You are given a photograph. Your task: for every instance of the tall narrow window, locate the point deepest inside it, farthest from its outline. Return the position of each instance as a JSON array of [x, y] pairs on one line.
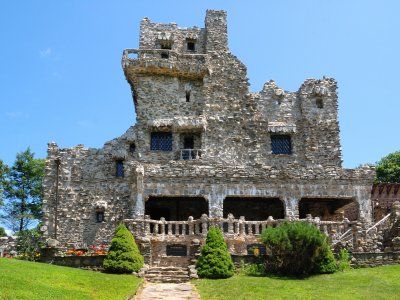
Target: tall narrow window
[[161, 141], [319, 103], [187, 96], [100, 216], [132, 148], [119, 168], [281, 144]]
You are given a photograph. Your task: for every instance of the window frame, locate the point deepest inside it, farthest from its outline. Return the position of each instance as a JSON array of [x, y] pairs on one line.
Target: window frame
[[100, 217], [156, 145], [119, 168], [274, 138]]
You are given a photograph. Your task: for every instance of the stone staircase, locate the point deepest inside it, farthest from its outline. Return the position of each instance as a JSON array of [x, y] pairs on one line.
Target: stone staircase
[[167, 274]]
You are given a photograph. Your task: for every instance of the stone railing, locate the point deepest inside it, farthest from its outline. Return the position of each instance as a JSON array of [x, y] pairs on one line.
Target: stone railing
[[164, 61], [230, 226], [189, 154]]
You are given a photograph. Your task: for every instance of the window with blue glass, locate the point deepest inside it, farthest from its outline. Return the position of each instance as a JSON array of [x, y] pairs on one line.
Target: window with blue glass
[[119, 168], [281, 144], [161, 141]]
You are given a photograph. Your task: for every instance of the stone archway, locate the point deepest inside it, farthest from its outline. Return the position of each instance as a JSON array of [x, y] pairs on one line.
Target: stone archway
[[254, 208], [175, 208], [329, 209]]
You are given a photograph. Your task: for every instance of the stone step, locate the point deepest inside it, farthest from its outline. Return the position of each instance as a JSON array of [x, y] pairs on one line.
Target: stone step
[[155, 272], [161, 269], [167, 274], [168, 279]]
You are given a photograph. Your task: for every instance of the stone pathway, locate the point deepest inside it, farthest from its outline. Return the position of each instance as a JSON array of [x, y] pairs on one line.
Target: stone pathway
[[168, 291]]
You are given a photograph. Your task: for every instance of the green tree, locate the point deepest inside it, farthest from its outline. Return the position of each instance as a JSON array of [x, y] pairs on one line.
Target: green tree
[[215, 260], [3, 172], [388, 168], [297, 249], [2, 232], [22, 190], [123, 256]]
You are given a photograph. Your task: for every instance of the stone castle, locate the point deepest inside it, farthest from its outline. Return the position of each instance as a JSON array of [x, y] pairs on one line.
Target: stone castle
[[205, 151]]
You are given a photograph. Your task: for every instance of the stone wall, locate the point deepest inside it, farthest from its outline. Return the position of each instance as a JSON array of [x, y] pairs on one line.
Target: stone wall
[[383, 196], [373, 259]]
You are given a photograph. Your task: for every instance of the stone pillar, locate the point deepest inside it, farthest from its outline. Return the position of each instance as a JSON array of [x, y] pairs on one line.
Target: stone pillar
[[137, 192], [215, 205], [364, 205], [291, 208]]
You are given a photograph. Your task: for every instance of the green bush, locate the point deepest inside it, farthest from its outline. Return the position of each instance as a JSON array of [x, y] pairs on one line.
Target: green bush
[[343, 260], [297, 249], [123, 255], [215, 260]]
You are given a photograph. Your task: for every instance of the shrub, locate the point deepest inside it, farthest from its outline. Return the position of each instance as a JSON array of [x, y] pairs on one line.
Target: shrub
[[123, 255], [215, 260], [29, 244], [343, 260], [297, 249]]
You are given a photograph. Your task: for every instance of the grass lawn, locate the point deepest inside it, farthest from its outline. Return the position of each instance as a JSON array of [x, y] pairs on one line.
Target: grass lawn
[[372, 283], [32, 280]]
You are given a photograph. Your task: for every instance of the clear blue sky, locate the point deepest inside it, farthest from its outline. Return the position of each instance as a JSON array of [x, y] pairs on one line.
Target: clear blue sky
[[61, 77]]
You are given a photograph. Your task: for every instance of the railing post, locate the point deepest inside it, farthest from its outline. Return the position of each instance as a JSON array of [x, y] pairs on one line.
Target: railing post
[[191, 225], [155, 229], [204, 224], [162, 219], [257, 225], [270, 221], [146, 224], [169, 228], [241, 226], [231, 219]]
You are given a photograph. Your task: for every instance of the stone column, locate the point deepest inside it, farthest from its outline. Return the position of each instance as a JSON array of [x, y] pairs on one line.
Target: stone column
[[137, 192], [291, 207], [364, 204], [215, 205]]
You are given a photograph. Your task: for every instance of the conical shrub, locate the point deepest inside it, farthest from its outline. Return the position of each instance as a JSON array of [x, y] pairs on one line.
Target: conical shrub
[[123, 255], [215, 260]]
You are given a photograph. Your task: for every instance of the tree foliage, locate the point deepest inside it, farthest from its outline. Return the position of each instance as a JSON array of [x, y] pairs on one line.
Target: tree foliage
[[297, 249], [3, 172], [215, 260], [123, 255], [2, 232], [22, 191], [29, 243], [388, 168]]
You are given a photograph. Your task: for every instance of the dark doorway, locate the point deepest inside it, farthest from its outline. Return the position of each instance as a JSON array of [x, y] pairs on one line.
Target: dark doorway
[[254, 208], [329, 209], [176, 208]]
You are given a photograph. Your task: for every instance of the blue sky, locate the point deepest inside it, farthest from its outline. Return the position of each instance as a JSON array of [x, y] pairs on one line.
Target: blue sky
[[61, 77]]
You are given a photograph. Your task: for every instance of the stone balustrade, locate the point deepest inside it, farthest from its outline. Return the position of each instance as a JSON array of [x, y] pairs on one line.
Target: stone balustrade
[[230, 226]]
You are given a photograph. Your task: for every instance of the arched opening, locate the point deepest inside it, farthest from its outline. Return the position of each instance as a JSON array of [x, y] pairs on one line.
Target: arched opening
[[254, 208], [329, 209], [173, 208]]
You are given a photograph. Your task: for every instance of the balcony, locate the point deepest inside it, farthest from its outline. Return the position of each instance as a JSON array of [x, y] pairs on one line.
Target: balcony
[[189, 154], [164, 62]]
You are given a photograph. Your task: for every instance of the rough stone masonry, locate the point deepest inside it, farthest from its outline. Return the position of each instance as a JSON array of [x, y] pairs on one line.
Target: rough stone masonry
[[203, 144]]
